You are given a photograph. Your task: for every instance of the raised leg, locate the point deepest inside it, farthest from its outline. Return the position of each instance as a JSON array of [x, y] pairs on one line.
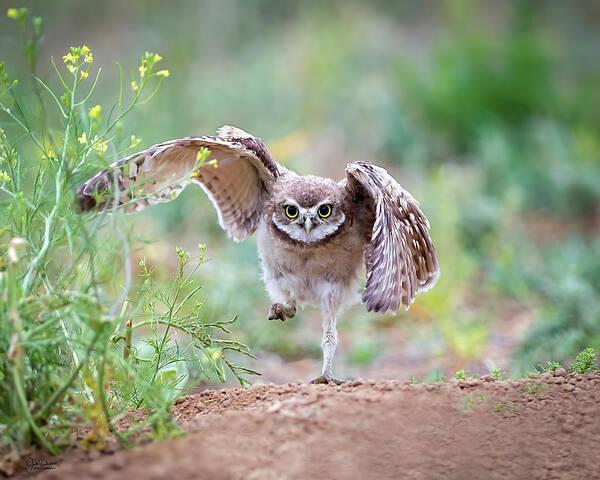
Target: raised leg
[[284, 305]]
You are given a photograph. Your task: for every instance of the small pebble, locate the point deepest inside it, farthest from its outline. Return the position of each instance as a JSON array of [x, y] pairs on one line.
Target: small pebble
[[386, 387]]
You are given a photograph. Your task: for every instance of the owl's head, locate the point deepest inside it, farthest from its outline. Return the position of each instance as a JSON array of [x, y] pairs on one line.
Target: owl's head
[[307, 209]]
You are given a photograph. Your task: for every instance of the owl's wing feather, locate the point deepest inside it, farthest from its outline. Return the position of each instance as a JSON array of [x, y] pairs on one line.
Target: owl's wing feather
[[237, 181], [400, 257]]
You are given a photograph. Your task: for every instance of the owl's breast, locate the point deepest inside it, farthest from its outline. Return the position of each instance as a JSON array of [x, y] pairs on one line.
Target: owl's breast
[[308, 273]]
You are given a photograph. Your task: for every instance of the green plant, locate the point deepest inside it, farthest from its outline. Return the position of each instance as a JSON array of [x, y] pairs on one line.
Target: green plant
[[176, 308], [412, 379], [480, 77], [533, 387], [80, 345], [435, 376], [467, 403], [498, 374], [568, 288], [502, 406], [550, 366], [471, 399], [464, 375], [585, 362]]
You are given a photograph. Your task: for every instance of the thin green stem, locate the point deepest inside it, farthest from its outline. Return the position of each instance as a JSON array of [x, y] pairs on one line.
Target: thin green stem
[[25, 410], [145, 323], [102, 394], [58, 393], [91, 90], [33, 266], [52, 95]]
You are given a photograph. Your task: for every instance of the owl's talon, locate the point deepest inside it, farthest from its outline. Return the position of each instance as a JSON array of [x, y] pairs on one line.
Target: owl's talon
[[325, 380], [281, 312], [276, 312], [274, 316]]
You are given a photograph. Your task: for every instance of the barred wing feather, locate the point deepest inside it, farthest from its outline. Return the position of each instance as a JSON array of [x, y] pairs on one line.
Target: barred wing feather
[[237, 186], [400, 256]]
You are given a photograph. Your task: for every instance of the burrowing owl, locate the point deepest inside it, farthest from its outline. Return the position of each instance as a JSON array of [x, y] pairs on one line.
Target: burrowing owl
[[314, 235]]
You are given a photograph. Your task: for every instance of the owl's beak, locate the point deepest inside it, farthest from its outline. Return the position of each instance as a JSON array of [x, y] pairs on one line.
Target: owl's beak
[[308, 225]]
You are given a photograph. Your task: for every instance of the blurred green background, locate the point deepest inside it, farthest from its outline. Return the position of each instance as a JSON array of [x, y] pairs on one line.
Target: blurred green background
[[487, 111]]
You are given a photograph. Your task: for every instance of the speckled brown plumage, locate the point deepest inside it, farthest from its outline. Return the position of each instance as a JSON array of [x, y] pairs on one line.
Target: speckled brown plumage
[[237, 186]]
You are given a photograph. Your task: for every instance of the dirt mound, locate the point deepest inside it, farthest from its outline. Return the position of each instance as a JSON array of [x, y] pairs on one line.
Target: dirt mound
[[546, 426]]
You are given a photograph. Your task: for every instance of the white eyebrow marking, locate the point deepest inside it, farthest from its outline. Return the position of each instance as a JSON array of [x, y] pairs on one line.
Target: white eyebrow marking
[[292, 202]]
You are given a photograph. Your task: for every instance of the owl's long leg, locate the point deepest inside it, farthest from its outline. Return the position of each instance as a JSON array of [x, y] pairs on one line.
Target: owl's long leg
[[328, 344]]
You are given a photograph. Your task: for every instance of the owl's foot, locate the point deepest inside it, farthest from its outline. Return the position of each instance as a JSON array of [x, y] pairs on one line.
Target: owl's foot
[[281, 312], [326, 380]]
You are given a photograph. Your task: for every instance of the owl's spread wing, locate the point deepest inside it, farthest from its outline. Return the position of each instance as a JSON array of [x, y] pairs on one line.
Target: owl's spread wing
[[400, 258], [236, 176]]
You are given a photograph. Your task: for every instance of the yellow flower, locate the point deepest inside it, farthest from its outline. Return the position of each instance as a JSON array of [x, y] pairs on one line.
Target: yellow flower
[[19, 14], [71, 68], [134, 86], [142, 69], [83, 74], [101, 147], [95, 112], [163, 73], [49, 155], [135, 141], [85, 49], [89, 58], [83, 138], [4, 177], [68, 58], [157, 58]]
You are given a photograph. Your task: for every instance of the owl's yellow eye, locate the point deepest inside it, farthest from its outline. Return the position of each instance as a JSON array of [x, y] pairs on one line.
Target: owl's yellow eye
[[324, 211], [291, 211]]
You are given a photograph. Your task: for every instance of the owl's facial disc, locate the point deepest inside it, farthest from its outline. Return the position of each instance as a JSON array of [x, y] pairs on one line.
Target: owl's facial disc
[[311, 224]]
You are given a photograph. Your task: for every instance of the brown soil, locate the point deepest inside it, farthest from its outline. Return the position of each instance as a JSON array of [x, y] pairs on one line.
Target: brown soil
[[546, 426]]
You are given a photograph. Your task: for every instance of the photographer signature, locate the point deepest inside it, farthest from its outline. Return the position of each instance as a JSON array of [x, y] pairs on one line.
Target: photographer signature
[[39, 463]]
